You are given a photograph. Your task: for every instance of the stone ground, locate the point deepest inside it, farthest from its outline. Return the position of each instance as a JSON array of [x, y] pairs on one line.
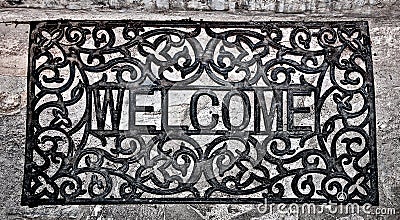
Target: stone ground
[[384, 20]]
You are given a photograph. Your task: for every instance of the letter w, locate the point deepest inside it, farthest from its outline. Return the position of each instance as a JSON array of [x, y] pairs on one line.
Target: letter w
[[115, 109]]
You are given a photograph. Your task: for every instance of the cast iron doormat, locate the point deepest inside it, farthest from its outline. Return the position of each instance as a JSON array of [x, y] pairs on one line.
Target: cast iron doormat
[[200, 112]]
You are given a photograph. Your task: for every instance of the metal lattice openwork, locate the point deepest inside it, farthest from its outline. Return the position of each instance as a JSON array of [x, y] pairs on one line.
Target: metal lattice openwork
[[200, 112]]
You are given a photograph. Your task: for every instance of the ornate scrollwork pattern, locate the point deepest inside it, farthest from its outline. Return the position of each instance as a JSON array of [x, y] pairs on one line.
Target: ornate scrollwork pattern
[[213, 112]]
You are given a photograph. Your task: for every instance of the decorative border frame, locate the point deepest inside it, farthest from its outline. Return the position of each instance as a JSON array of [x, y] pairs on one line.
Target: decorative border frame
[[56, 146]]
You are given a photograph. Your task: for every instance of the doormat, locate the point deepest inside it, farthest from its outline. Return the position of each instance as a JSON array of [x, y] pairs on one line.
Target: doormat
[[200, 112]]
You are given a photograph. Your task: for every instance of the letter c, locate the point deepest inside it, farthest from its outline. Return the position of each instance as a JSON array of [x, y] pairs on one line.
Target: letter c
[[193, 110]]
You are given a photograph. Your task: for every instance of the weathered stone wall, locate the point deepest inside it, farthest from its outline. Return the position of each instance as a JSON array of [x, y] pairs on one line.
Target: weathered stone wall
[[384, 20], [283, 6]]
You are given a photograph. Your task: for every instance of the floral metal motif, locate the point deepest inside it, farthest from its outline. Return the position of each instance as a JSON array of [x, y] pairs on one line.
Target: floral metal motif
[[87, 80]]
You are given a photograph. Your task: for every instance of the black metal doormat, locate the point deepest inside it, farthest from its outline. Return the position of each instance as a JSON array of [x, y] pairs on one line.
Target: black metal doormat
[[200, 112]]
